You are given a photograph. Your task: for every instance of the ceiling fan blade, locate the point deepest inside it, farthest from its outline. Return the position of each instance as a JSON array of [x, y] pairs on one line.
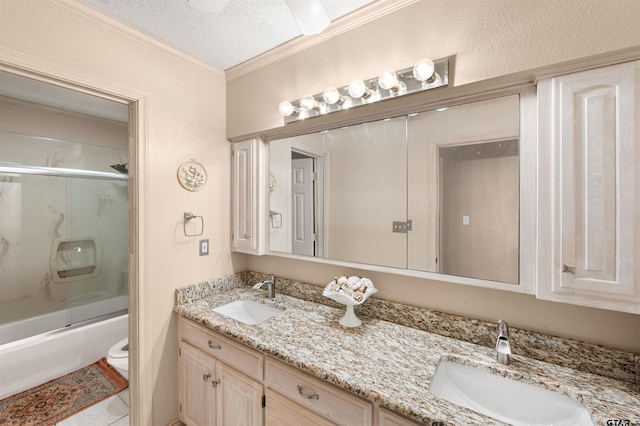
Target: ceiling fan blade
[[208, 6], [310, 15]]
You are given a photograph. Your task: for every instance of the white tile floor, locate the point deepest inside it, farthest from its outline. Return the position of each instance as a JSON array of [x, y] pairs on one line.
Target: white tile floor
[[113, 411]]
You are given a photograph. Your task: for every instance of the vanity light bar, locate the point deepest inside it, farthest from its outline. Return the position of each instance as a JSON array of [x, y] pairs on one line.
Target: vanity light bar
[[424, 75]]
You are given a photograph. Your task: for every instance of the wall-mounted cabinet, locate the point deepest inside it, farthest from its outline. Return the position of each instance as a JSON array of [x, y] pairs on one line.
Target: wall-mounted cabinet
[[589, 187], [248, 196], [222, 382]]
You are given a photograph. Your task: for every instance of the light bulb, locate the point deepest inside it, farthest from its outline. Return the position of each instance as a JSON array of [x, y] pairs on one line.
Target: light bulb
[[346, 103], [388, 80], [399, 90], [331, 95], [423, 69], [357, 88], [303, 113], [308, 102], [286, 108], [434, 81]]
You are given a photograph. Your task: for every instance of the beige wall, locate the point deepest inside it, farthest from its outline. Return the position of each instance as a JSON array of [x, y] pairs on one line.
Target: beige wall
[[186, 119], [489, 39]]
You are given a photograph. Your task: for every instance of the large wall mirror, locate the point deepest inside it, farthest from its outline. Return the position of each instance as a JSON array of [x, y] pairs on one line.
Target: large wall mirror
[[436, 191]]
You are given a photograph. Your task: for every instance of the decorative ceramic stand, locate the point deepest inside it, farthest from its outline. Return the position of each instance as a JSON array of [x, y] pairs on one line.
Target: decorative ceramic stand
[[349, 319]]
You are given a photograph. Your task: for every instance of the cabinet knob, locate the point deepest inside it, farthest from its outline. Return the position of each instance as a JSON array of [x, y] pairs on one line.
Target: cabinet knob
[[212, 346], [215, 383], [206, 376], [569, 268], [307, 395]]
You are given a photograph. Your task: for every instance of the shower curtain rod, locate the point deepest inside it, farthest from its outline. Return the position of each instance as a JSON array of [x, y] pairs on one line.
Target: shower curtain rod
[[60, 172]]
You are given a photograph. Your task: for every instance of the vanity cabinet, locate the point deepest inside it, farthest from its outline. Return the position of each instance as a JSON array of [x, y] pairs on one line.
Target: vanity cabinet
[[589, 188], [248, 197], [220, 381]]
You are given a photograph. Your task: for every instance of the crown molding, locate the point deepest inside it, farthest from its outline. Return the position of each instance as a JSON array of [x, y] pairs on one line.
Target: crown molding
[[353, 20], [116, 24]]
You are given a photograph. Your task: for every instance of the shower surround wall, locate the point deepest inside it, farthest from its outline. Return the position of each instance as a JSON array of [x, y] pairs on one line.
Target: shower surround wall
[[37, 212]]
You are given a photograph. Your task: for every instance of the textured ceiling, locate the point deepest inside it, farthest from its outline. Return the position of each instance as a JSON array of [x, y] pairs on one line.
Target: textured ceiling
[[242, 30]]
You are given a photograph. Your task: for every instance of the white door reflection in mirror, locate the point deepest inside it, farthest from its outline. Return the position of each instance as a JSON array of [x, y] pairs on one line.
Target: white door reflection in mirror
[[281, 199], [302, 205]]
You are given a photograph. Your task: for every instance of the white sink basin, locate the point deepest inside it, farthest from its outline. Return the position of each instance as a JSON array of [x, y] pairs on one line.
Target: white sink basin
[[504, 399], [248, 311]]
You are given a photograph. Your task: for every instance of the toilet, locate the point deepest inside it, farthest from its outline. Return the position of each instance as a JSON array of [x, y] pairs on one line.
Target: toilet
[[118, 357]]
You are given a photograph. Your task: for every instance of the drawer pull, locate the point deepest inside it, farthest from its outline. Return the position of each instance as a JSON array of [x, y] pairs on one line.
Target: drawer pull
[[215, 383], [206, 376], [306, 395], [212, 346]]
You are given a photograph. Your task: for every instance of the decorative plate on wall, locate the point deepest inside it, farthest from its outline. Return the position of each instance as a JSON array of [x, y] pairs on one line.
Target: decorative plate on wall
[[192, 175]]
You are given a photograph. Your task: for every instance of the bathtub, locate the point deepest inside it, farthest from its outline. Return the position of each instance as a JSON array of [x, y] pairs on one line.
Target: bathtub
[[34, 360], [94, 305]]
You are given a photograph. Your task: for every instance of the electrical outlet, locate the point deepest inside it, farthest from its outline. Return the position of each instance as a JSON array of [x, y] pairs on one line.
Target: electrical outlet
[[204, 247]]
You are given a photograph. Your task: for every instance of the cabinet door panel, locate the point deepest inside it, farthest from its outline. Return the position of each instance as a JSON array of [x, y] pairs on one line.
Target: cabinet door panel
[[243, 192], [589, 148], [197, 399], [239, 398], [248, 196]]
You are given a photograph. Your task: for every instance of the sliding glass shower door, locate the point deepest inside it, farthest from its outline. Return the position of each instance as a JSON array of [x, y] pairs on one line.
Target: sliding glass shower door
[[63, 237]]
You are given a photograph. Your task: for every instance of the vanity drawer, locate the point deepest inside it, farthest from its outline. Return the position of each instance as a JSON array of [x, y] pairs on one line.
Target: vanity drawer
[[387, 418], [244, 359], [322, 398], [281, 411]]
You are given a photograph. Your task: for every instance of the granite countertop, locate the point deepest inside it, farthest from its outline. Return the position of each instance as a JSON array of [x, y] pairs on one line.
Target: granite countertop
[[392, 364]]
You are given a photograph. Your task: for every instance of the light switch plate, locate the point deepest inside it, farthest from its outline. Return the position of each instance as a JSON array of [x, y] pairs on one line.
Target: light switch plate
[[204, 247]]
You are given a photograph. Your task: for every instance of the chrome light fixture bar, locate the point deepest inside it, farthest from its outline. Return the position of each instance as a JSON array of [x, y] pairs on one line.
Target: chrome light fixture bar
[[424, 75]]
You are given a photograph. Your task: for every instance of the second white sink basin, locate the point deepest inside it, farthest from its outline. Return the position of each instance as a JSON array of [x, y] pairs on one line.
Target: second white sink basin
[[504, 399], [248, 311]]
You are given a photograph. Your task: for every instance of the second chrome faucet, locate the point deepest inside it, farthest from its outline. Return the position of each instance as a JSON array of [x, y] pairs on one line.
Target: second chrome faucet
[[503, 347]]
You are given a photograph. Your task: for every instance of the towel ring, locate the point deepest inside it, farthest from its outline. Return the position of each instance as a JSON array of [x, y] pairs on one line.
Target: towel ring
[[189, 216]]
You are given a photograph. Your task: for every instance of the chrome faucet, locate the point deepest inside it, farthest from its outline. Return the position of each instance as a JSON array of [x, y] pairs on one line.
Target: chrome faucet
[[503, 347], [271, 286]]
